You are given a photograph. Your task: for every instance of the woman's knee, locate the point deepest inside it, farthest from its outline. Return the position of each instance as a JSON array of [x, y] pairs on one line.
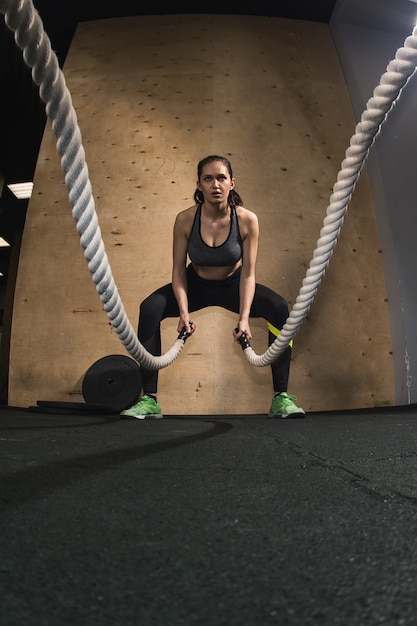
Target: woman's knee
[[281, 305], [151, 308], [279, 311], [271, 305]]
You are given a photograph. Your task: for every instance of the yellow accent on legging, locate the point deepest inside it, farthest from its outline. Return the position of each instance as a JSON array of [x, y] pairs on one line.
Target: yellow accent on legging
[[276, 332]]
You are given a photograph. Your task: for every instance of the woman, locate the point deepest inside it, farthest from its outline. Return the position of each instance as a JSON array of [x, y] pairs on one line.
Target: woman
[[220, 237]]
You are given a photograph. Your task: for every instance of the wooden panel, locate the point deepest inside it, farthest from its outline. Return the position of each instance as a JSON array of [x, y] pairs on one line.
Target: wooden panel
[[150, 105]]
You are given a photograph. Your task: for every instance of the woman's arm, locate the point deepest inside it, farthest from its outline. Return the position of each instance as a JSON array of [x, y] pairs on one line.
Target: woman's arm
[[247, 277], [179, 277]]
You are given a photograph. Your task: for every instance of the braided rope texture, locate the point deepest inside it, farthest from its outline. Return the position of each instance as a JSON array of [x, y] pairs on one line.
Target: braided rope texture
[[22, 18], [397, 74]]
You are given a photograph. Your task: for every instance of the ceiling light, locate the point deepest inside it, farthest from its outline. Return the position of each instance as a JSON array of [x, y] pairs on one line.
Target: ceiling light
[[22, 191], [4, 243]]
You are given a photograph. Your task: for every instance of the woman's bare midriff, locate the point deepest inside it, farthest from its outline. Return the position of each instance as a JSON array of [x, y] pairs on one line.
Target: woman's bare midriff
[[215, 273]]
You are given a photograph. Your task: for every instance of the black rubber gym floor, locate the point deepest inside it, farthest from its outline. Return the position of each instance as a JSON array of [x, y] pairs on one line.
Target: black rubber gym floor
[[226, 520]]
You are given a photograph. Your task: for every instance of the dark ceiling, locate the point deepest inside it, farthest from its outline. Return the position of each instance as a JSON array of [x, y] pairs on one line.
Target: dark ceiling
[[22, 112]]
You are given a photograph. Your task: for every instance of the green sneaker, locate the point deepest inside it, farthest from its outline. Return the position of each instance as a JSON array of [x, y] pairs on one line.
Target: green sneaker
[[146, 408], [284, 406]]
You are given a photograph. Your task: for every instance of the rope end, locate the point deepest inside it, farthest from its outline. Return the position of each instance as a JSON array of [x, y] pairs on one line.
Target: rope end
[[243, 340]]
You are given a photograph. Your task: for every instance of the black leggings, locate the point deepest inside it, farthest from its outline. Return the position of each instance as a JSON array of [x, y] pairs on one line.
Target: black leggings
[[203, 293]]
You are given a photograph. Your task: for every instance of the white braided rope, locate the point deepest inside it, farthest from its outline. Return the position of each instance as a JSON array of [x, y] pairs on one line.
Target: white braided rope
[[398, 72], [22, 18]]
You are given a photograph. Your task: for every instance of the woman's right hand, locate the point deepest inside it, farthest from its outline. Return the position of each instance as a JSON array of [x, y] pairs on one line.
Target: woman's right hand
[[187, 324]]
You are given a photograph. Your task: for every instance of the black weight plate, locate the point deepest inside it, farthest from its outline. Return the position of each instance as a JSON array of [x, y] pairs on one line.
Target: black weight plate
[[113, 381]]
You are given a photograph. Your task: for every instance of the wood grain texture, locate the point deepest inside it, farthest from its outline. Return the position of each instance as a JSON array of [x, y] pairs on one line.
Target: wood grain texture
[[154, 95]]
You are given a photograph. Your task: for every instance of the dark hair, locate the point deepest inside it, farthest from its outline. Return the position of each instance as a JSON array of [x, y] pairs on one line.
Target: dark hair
[[234, 198]]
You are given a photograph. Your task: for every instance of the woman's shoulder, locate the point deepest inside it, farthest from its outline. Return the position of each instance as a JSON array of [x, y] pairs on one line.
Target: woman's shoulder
[[246, 216], [186, 214], [185, 218], [248, 222]]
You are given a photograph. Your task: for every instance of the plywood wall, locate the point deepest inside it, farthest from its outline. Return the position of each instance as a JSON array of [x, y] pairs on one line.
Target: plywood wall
[[153, 96]]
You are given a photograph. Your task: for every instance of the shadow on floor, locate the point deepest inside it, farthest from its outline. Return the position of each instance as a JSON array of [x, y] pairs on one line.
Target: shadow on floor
[[202, 520]]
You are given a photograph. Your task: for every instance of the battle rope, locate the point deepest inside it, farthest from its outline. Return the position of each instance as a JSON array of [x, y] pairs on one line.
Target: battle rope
[[22, 18], [398, 72]]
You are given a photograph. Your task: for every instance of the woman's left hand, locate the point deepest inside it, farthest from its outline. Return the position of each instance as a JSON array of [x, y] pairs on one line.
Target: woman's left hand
[[242, 328]]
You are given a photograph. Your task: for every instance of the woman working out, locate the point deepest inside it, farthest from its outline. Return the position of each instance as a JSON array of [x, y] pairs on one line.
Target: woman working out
[[220, 237]]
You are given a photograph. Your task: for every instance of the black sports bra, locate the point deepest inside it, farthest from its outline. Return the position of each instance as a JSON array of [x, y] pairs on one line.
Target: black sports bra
[[225, 255]]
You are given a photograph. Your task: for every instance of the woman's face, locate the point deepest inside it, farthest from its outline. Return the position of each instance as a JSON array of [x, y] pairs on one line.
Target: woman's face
[[215, 183]]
